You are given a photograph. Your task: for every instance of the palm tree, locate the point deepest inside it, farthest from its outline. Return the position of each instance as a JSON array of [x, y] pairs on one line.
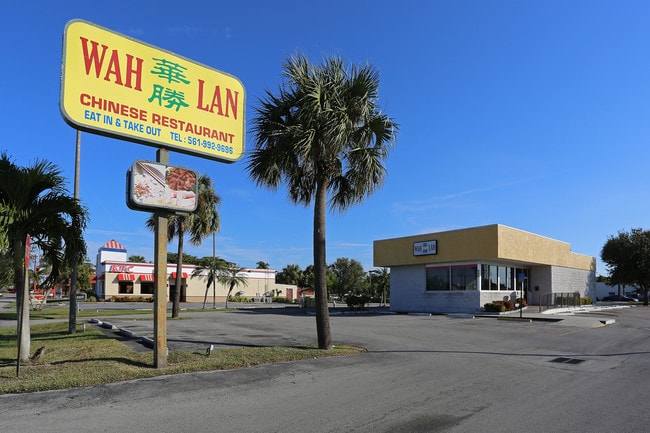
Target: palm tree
[[230, 276], [35, 202], [214, 266], [380, 278], [325, 137], [291, 274], [199, 224]]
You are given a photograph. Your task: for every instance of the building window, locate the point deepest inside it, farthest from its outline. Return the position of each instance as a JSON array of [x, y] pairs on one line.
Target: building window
[[445, 278], [463, 277], [503, 278], [125, 287], [510, 285], [438, 278], [490, 277], [523, 272], [146, 288]]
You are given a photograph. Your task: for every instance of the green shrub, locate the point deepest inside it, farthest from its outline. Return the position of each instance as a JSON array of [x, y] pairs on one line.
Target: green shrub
[[240, 299], [495, 307], [132, 299], [357, 301], [586, 301]]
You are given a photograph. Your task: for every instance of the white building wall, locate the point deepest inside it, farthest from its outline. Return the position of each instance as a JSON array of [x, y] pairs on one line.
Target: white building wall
[[541, 282], [409, 294], [603, 290], [106, 255], [407, 284], [574, 280], [111, 256], [487, 297]]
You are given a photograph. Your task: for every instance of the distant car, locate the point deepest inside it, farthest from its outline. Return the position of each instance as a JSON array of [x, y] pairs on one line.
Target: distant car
[[619, 298]]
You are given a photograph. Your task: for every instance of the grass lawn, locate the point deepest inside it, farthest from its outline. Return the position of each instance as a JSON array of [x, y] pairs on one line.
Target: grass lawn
[[90, 358], [62, 312]]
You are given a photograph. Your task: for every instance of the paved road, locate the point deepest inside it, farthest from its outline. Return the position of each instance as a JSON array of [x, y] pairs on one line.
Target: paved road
[[420, 374]]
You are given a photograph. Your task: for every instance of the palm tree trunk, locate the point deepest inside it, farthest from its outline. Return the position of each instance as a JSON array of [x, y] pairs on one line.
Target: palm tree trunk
[[229, 292], [320, 269], [22, 299], [176, 302], [205, 297], [214, 293], [74, 304]]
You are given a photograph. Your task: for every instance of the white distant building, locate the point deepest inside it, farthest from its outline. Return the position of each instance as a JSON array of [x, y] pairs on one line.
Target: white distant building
[[603, 290], [117, 277]]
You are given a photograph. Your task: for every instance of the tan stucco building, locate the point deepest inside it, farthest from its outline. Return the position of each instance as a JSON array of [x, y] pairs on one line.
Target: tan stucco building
[[462, 270]]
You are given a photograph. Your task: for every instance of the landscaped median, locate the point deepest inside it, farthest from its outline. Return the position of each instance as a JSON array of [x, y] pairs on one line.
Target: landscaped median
[[90, 358]]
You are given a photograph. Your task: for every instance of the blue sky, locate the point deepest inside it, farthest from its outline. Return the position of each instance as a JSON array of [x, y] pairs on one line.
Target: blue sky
[[529, 114]]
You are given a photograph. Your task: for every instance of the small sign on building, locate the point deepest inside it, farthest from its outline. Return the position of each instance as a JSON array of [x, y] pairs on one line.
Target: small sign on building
[[425, 248]]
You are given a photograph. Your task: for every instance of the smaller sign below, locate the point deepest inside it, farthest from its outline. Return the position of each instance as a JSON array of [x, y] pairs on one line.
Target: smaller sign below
[[425, 248], [151, 186]]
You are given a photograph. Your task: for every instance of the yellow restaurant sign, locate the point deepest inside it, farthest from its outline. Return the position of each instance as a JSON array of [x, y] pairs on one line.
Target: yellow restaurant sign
[[121, 87]]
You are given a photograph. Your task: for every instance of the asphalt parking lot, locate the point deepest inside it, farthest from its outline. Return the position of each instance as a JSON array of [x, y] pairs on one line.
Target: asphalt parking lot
[[585, 372], [277, 325]]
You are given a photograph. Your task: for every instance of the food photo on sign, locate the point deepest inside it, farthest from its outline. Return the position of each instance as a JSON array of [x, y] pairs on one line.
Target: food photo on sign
[[152, 185]]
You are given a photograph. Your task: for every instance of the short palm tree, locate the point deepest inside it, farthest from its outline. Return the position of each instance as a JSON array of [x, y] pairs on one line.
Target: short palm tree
[[199, 225], [210, 270], [35, 202], [232, 277], [325, 137], [380, 278], [290, 274]]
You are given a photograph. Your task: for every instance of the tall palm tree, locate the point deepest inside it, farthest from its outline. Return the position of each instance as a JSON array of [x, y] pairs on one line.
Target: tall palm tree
[[198, 224], [325, 137], [231, 277], [35, 202]]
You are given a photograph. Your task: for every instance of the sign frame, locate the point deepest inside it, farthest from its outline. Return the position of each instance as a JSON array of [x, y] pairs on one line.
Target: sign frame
[[120, 87]]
